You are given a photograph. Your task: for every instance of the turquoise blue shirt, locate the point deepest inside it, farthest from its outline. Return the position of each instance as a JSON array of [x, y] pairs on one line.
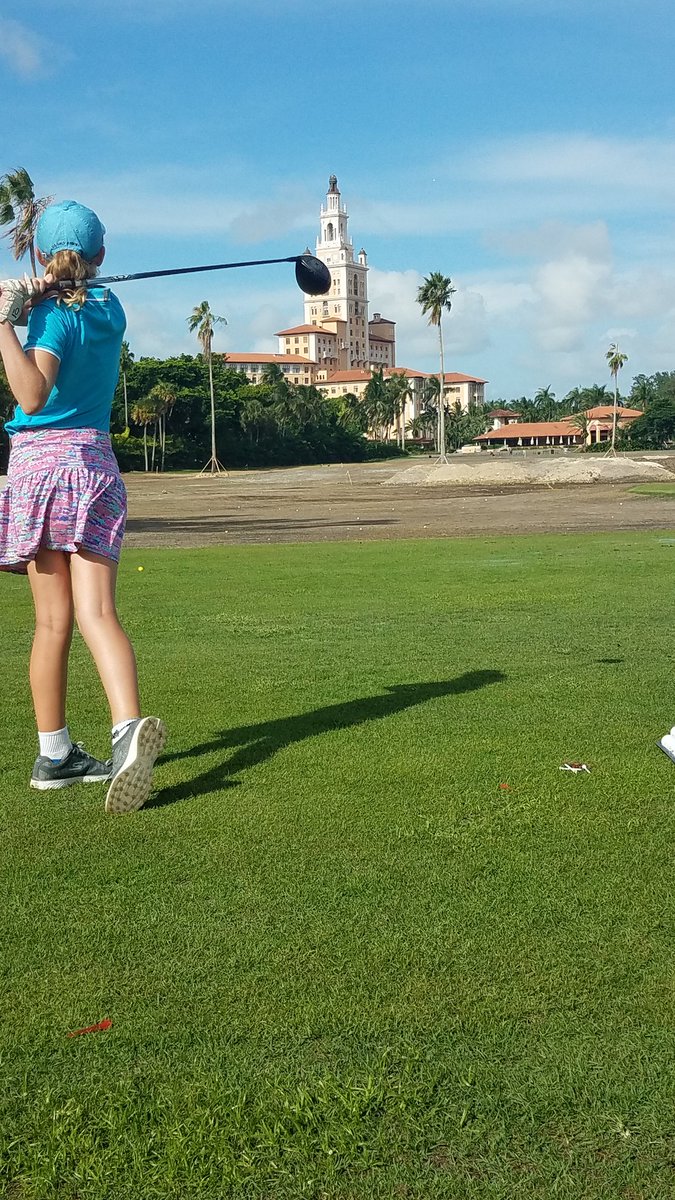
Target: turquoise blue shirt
[[87, 342]]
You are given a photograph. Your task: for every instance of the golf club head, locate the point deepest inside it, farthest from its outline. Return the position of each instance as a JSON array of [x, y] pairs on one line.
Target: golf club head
[[312, 276]]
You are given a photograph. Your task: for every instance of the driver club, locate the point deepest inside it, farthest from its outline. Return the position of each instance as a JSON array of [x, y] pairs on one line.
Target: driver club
[[312, 276]]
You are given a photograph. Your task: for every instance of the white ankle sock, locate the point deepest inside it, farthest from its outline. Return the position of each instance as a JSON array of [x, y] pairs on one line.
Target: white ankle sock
[[121, 727], [55, 745]]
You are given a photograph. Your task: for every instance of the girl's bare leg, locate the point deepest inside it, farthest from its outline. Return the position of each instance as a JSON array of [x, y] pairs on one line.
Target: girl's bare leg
[[93, 581], [50, 582]]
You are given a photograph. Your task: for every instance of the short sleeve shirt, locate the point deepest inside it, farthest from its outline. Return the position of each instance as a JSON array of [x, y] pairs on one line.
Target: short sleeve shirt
[[87, 342]]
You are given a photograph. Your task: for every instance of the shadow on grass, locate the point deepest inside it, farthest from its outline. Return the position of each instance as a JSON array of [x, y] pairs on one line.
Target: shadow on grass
[[254, 744]]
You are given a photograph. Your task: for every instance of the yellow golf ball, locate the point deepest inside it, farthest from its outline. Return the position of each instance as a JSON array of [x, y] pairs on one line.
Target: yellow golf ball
[[140, 568]]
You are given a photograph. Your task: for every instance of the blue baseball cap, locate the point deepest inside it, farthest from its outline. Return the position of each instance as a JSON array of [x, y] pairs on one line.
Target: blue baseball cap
[[69, 226]]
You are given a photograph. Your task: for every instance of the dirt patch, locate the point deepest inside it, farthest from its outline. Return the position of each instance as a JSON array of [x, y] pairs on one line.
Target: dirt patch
[[544, 471], [340, 503]]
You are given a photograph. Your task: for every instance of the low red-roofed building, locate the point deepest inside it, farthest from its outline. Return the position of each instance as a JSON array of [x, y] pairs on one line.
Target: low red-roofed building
[[583, 429]]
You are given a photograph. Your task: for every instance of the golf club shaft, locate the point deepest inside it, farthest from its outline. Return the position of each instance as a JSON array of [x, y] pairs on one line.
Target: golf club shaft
[[108, 279]]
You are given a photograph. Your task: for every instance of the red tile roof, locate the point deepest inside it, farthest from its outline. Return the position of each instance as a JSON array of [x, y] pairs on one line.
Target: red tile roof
[[348, 376], [603, 411], [305, 329], [528, 429], [453, 377], [254, 357], [407, 371]]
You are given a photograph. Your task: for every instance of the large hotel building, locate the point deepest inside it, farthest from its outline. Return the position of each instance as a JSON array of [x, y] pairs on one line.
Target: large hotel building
[[338, 346]]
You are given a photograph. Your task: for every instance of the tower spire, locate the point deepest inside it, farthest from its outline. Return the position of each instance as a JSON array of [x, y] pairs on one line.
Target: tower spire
[[345, 309]]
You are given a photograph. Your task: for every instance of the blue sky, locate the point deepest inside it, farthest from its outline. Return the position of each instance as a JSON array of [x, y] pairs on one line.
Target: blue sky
[[526, 148]]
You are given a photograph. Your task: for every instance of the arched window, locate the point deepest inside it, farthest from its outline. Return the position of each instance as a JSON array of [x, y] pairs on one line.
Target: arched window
[[330, 231], [356, 285]]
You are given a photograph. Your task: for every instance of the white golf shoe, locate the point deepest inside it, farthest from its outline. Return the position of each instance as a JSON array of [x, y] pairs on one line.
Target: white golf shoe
[[133, 759]]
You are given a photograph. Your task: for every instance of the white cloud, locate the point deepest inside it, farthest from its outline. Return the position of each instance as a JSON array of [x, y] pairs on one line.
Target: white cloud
[[158, 202], [536, 241], [645, 164], [23, 51]]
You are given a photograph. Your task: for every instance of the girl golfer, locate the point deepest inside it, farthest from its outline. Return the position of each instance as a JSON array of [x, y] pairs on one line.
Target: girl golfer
[[63, 512]]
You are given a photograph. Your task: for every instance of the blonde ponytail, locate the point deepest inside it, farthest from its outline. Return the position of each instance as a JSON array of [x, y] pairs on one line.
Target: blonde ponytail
[[68, 264]]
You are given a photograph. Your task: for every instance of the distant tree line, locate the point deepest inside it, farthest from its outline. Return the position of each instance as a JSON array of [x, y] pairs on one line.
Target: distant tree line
[[161, 416]]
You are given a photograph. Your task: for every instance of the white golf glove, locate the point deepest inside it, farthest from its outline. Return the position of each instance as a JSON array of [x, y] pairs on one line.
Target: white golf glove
[[14, 296]]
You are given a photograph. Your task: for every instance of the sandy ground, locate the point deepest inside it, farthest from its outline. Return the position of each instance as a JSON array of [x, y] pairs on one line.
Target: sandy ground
[[397, 499], [331, 503]]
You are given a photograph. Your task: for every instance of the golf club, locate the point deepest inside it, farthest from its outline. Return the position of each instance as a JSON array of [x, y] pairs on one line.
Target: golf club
[[312, 276]]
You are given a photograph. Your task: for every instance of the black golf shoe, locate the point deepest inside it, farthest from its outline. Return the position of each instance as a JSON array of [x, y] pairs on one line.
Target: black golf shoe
[[76, 767]]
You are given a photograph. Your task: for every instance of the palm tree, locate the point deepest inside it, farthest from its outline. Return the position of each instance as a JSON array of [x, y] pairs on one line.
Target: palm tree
[[400, 391], [203, 320], [615, 360], [434, 298], [126, 359], [378, 405], [581, 424], [20, 209], [642, 392], [142, 414], [353, 411], [306, 403], [544, 400], [593, 396], [161, 399], [457, 425]]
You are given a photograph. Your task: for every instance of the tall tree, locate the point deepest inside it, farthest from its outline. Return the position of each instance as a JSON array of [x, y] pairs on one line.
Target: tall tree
[[160, 401], [126, 359], [20, 209], [203, 320], [142, 414], [581, 424], [400, 390], [615, 361], [434, 296], [642, 392], [544, 400], [378, 404]]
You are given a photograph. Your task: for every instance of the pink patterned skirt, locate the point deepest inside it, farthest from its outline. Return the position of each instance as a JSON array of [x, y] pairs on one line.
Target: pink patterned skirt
[[64, 492]]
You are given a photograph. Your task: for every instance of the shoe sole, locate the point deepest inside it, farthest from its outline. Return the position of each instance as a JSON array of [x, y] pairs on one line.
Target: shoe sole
[[132, 784], [49, 785], [666, 751]]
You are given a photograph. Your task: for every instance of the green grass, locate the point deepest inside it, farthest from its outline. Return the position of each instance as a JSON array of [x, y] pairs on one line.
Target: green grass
[[340, 960], [654, 489]]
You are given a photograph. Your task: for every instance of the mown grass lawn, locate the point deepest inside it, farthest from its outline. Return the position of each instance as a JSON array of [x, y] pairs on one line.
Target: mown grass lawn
[[654, 489], [341, 958]]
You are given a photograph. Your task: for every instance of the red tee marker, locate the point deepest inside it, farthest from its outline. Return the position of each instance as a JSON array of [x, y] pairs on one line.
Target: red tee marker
[[92, 1028]]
